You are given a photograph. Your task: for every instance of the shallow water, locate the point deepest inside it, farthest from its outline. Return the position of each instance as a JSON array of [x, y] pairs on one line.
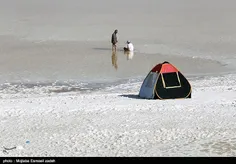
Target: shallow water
[[23, 61], [68, 42]]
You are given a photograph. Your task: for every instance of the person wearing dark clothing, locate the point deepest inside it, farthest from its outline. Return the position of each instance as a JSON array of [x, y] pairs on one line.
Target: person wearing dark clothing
[[114, 40]]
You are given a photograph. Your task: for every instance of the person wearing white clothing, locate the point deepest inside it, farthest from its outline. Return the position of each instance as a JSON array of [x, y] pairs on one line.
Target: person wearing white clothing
[[129, 46], [129, 50]]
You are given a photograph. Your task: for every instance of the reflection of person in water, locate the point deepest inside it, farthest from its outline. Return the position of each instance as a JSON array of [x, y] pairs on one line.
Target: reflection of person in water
[[114, 59], [129, 54]]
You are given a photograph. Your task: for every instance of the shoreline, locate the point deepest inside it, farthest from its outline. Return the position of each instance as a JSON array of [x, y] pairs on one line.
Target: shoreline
[[45, 75]]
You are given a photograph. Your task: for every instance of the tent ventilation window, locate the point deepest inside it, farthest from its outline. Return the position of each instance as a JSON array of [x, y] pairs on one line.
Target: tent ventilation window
[[171, 80]]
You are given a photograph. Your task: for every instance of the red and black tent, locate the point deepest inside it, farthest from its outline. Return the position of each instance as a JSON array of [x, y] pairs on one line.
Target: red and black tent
[[165, 81]]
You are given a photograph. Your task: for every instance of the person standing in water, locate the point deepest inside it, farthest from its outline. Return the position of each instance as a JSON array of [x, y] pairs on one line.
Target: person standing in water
[[114, 40]]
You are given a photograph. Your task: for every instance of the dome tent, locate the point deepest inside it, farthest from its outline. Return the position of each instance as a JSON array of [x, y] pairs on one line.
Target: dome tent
[[165, 81]]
